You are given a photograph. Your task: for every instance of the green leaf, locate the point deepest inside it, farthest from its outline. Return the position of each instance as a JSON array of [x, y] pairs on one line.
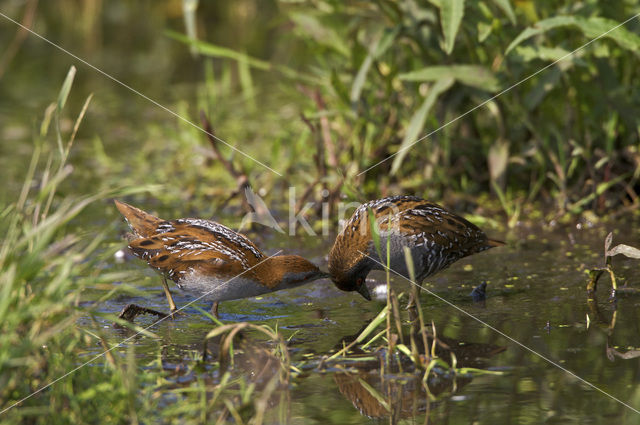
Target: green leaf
[[246, 83], [418, 119], [358, 82], [405, 350], [505, 5], [66, 88], [214, 51], [189, 8], [451, 12], [576, 207], [591, 27], [339, 88], [470, 75], [374, 324], [385, 42], [484, 30], [320, 32], [596, 26], [375, 394], [552, 54], [539, 28], [378, 49], [545, 84]]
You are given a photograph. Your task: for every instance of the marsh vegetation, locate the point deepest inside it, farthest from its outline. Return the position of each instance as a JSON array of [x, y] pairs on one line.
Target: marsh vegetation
[[313, 105]]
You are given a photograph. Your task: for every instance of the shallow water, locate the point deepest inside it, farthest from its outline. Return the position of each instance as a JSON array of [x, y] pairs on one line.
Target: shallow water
[[535, 297]]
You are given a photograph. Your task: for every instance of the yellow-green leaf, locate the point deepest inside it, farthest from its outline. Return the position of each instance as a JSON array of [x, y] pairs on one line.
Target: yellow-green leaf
[[66, 88], [418, 119], [451, 12], [470, 75], [591, 27], [506, 8]]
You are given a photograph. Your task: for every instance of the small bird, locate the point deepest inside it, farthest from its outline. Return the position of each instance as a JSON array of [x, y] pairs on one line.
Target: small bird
[[436, 238], [207, 259]]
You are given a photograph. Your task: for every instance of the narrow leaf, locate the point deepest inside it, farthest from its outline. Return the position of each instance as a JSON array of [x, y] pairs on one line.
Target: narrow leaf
[[320, 32], [381, 317], [595, 26], [470, 75], [66, 88], [208, 49], [378, 49], [417, 121], [375, 394], [498, 158], [590, 27], [541, 27], [386, 41], [552, 54], [607, 241], [505, 5], [451, 12], [189, 8], [547, 82], [626, 250], [484, 31], [358, 82]]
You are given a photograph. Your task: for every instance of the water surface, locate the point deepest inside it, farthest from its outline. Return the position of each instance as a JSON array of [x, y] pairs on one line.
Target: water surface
[[536, 296]]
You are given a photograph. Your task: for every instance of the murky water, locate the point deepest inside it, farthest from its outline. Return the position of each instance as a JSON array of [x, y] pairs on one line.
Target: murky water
[[536, 298]]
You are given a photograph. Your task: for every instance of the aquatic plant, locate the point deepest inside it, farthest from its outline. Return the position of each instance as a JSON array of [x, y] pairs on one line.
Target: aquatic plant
[[609, 253]]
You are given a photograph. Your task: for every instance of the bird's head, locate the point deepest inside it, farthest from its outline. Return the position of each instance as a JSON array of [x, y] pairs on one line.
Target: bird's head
[[353, 280], [289, 271]]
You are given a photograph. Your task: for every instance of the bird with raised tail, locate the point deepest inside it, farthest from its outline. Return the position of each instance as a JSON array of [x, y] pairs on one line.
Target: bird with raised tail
[[436, 238], [209, 260]]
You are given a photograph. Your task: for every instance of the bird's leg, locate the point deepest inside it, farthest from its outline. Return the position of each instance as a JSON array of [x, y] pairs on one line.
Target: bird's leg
[[214, 309], [172, 305]]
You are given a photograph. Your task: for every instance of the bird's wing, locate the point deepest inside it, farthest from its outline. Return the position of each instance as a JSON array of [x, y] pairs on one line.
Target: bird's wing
[[179, 246], [429, 221]]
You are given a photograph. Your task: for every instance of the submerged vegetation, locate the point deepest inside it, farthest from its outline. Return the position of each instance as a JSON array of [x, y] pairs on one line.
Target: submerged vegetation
[[337, 100]]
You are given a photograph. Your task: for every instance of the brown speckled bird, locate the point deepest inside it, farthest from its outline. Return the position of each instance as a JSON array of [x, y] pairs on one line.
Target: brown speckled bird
[[205, 257], [435, 237]]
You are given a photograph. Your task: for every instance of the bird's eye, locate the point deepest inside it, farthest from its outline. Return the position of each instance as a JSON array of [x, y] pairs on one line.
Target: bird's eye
[[359, 281]]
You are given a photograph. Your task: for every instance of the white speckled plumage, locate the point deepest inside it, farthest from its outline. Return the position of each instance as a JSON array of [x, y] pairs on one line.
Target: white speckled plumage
[[206, 258], [435, 237]]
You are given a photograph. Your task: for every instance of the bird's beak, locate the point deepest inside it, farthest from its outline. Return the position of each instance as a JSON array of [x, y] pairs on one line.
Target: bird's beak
[[321, 275], [364, 291]]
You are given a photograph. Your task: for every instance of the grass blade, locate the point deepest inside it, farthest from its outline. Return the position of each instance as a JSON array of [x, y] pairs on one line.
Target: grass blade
[[418, 119], [451, 12], [470, 75]]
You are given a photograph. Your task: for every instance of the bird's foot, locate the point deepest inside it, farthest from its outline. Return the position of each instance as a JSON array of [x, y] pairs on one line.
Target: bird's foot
[[175, 313]]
